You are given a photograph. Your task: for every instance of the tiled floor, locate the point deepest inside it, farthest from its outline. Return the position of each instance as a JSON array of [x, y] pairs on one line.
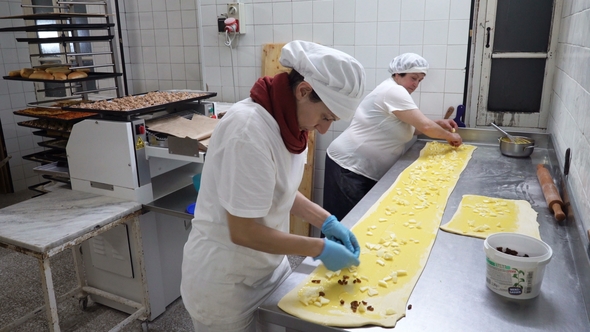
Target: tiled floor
[[20, 293]]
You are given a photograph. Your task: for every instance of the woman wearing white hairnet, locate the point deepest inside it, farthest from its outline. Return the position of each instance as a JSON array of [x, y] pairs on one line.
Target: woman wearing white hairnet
[[236, 252], [384, 122]]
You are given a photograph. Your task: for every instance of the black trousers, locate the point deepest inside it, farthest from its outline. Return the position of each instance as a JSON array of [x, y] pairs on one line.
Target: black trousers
[[343, 189]]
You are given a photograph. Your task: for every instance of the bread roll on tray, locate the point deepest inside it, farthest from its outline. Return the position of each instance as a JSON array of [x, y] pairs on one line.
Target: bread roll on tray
[[60, 76], [25, 72], [41, 75], [14, 73], [77, 74], [61, 69]]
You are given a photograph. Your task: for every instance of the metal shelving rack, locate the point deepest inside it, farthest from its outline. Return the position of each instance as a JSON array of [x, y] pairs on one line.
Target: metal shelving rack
[[85, 35], [87, 38]]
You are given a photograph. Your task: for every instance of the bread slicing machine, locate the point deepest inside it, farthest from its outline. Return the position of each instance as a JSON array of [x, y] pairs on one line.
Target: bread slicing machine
[[116, 155]]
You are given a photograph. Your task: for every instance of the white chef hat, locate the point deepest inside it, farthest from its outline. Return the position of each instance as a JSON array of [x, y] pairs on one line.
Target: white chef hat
[[337, 78], [408, 63]]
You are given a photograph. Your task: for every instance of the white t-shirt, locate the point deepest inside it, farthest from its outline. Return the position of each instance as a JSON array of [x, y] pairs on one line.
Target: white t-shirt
[[249, 173], [376, 138]]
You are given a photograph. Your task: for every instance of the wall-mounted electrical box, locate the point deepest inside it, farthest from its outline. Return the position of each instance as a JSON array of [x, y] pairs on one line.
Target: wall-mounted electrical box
[[236, 10], [221, 23]]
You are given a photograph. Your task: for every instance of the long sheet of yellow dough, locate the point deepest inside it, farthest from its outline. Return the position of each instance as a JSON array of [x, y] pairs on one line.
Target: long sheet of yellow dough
[[480, 216], [396, 236]]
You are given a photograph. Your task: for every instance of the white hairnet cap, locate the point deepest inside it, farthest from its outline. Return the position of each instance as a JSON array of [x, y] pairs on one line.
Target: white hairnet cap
[[408, 63], [337, 78]]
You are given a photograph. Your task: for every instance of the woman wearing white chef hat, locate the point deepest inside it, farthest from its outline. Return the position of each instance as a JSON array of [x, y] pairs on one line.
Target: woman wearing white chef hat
[[384, 122], [236, 252]]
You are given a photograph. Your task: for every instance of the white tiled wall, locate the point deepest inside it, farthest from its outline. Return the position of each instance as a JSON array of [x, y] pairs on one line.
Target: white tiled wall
[[160, 39], [373, 31], [13, 96], [569, 119]]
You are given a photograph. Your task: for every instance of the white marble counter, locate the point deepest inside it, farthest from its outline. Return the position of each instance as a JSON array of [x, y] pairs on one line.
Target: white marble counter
[[45, 222]]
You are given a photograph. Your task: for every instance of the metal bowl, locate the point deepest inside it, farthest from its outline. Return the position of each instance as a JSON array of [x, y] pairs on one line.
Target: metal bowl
[[523, 147]]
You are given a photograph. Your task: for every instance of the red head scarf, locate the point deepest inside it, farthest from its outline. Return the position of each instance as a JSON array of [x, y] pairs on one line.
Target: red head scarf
[[276, 96]]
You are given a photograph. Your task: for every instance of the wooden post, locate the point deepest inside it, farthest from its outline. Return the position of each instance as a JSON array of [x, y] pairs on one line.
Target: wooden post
[[270, 67]]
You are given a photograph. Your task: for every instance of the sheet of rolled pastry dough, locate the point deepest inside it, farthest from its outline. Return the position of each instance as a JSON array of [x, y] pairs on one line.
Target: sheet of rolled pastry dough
[[395, 235], [480, 216]]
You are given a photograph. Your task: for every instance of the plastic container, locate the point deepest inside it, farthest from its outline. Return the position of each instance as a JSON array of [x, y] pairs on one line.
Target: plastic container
[[512, 276], [197, 182], [190, 209]]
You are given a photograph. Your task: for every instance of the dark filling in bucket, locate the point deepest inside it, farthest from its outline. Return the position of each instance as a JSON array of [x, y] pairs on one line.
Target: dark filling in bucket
[[510, 252]]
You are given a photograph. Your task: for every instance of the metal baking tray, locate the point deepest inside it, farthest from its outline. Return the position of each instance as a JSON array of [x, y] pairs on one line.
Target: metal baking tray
[[51, 134], [49, 125], [56, 178], [61, 115], [60, 27], [40, 188], [53, 103], [47, 156], [52, 16], [56, 168], [65, 39], [91, 77], [146, 110], [59, 143]]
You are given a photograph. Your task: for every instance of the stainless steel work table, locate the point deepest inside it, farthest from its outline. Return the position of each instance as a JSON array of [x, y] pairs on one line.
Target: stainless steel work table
[[451, 294], [46, 225]]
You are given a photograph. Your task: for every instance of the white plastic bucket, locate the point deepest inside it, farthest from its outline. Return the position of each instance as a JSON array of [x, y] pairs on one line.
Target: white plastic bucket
[[512, 276]]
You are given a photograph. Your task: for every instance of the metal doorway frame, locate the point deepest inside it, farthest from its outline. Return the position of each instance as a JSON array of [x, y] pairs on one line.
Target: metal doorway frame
[[484, 12]]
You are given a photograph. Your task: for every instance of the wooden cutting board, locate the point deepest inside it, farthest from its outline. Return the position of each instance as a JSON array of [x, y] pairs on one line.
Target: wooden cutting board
[[271, 67], [270, 59]]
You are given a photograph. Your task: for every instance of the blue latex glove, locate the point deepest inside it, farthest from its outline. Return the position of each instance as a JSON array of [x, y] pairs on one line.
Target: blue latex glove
[[336, 257], [335, 231]]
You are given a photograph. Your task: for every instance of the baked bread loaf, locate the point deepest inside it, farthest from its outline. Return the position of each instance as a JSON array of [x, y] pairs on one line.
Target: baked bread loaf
[[62, 69], [41, 75], [59, 76], [77, 74], [14, 73], [26, 72]]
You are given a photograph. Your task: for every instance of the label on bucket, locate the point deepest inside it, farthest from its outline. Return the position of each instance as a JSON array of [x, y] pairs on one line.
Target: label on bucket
[[506, 279]]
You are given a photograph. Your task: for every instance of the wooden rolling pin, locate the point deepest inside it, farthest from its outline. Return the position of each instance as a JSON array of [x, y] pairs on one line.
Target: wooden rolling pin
[[550, 192], [449, 112]]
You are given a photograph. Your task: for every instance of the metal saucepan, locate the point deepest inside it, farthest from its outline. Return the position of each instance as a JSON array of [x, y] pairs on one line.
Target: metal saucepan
[[521, 147]]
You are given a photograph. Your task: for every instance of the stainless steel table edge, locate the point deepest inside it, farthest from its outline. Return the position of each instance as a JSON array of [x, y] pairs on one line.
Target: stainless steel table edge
[[561, 304], [577, 234], [574, 225]]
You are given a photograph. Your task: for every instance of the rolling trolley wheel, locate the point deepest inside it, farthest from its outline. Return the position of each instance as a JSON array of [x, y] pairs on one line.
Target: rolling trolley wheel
[[83, 303], [144, 326]]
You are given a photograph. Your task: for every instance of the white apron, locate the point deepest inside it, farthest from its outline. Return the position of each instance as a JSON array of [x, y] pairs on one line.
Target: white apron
[[249, 173]]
